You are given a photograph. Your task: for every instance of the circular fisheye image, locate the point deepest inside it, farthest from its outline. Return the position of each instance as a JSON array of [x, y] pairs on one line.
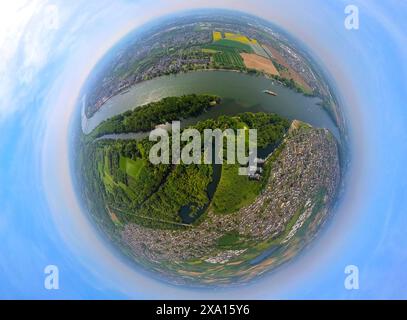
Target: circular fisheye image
[[209, 147]]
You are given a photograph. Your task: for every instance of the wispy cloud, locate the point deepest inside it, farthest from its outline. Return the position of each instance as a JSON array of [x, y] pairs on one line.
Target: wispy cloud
[[27, 29]]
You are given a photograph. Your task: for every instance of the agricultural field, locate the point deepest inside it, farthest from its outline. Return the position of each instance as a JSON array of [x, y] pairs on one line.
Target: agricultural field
[[286, 71], [258, 49], [225, 43], [238, 38], [226, 51], [217, 35], [254, 61], [238, 52], [229, 59]]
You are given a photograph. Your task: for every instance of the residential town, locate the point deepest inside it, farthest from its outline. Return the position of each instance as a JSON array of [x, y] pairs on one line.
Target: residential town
[[304, 178]]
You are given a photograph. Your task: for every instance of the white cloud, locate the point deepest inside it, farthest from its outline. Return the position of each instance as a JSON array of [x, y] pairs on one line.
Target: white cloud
[[26, 30], [14, 17]]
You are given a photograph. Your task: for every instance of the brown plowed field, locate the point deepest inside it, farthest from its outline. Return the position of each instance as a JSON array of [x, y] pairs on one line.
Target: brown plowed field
[[253, 61]]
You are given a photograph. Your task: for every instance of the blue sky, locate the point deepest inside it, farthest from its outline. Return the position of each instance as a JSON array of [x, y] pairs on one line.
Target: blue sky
[[49, 47]]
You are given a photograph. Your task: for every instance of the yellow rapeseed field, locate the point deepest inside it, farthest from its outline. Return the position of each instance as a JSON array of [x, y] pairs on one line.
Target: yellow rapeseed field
[[233, 37], [240, 38], [217, 35], [237, 37]]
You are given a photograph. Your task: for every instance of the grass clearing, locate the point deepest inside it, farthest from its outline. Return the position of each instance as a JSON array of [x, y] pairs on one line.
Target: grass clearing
[[131, 167], [232, 241], [234, 191]]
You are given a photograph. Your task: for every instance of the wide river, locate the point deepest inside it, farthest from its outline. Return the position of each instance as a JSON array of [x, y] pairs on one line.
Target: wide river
[[240, 92]]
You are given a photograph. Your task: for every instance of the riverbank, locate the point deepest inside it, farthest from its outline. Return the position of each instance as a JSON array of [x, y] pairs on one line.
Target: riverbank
[[246, 71], [240, 92]]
